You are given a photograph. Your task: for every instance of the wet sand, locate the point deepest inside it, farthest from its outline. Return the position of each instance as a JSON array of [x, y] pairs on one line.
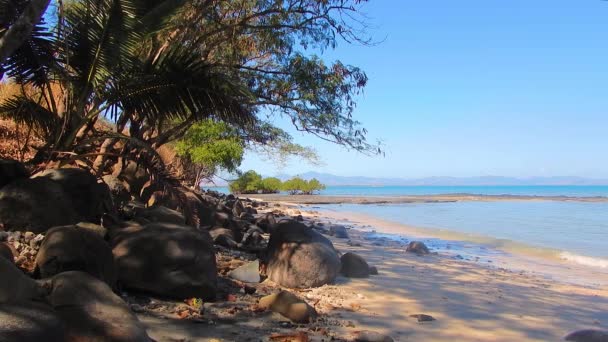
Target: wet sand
[[471, 301]]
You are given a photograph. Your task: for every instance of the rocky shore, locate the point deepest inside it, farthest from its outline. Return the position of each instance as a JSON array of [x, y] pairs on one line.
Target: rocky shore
[[81, 260]]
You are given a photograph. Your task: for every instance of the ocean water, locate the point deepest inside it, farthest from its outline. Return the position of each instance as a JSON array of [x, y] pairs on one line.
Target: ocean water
[[569, 230], [575, 231], [533, 190]]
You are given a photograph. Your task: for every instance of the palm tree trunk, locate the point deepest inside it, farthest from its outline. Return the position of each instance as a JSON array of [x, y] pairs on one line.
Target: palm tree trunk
[[20, 31]]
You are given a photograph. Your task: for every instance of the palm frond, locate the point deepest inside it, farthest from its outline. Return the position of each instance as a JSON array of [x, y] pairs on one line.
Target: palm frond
[[180, 84], [154, 15], [100, 39], [32, 61], [25, 110]]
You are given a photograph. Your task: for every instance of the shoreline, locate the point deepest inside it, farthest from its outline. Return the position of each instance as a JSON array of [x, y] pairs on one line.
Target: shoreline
[[446, 198], [470, 300], [512, 255]]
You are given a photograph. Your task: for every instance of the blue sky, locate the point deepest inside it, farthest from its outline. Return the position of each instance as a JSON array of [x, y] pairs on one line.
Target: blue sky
[[477, 87]]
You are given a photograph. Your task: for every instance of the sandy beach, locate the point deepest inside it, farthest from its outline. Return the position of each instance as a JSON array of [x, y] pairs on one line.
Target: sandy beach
[[470, 301]]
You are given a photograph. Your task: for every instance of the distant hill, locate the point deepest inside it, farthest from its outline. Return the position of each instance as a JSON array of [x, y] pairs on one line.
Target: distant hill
[[329, 179], [333, 180]]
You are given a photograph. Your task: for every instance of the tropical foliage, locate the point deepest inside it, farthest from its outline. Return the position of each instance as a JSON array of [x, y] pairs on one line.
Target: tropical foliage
[[209, 146], [251, 182], [270, 185], [248, 183], [114, 80], [298, 185]]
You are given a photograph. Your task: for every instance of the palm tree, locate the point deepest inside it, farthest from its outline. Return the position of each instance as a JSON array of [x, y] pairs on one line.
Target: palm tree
[[106, 59]]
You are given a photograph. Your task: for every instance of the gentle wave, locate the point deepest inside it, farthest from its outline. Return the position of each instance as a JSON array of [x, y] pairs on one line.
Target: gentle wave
[[584, 260]]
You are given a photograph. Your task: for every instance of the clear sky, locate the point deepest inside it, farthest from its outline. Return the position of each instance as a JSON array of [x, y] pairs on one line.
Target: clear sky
[[477, 87]]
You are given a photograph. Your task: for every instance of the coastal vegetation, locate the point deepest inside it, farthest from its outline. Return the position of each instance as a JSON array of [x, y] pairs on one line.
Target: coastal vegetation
[[251, 182], [298, 185], [116, 111], [106, 83]]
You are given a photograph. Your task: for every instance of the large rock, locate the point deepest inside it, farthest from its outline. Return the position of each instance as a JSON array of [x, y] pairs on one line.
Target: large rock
[[290, 306], [249, 272], [35, 205], [354, 266], [16, 286], [6, 252], [588, 335], [266, 222], [338, 231], [299, 257], [238, 208], [11, 170], [417, 247], [91, 199], [200, 208], [119, 190], [72, 248], [29, 321], [233, 231], [166, 259], [91, 311], [217, 231], [253, 237], [132, 174], [160, 213]]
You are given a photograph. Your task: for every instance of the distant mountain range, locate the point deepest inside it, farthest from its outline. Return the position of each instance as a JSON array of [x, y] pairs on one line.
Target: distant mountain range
[[333, 180], [329, 179]]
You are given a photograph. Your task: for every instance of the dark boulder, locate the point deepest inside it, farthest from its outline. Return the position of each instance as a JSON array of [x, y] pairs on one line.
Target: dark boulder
[[233, 229], [201, 207], [159, 213], [225, 241], [266, 222], [299, 257], [221, 219], [73, 248], [7, 252], [15, 286], [417, 247], [29, 321], [90, 198], [91, 311], [132, 174], [166, 259], [354, 266], [588, 335], [338, 231], [217, 231], [11, 170], [253, 237], [238, 208], [35, 205], [119, 190]]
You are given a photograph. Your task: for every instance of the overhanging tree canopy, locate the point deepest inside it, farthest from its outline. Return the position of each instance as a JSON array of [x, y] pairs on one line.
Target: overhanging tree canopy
[[154, 68]]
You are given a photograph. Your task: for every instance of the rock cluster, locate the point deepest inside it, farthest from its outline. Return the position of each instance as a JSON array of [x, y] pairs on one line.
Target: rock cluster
[[82, 237]]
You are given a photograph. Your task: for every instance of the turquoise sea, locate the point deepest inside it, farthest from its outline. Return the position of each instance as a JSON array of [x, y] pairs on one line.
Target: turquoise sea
[[571, 230], [527, 190]]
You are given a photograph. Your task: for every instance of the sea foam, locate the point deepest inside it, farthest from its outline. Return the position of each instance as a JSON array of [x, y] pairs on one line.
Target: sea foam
[[584, 260]]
